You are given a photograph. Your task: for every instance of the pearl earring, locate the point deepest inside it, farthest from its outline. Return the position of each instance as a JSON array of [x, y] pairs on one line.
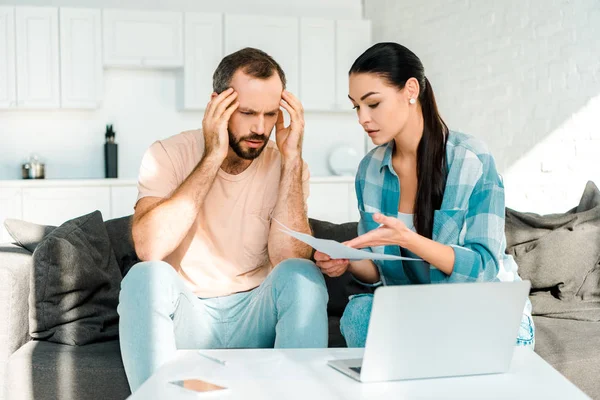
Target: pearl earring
[[412, 101]]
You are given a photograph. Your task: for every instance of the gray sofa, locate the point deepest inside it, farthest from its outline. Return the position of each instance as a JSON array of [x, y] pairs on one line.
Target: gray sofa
[[38, 369]]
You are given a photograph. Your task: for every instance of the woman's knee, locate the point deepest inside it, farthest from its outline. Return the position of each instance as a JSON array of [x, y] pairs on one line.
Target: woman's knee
[[354, 323]]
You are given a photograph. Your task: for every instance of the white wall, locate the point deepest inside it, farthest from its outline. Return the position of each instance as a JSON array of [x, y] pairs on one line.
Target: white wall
[[142, 105], [523, 75]]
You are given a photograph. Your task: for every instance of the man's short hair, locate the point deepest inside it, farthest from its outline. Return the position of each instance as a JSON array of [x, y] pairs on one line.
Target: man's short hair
[[253, 62]]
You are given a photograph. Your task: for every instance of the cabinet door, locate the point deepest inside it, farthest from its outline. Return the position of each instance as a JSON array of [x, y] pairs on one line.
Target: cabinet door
[[55, 205], [352, 39], [122, 200], [37, 57], [277, 36], [317, 64], [80, 57], [329, 202], [10, 207], [8, 79], [203, 52], [142, 38]]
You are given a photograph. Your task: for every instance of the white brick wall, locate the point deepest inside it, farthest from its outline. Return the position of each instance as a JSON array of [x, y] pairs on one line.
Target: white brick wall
[[523, 75]]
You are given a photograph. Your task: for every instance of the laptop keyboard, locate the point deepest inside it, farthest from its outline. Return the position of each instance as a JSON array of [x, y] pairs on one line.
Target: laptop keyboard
[[356, 369]]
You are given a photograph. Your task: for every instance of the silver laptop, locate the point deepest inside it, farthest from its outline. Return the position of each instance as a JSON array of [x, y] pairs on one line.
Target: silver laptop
[[427, 331]]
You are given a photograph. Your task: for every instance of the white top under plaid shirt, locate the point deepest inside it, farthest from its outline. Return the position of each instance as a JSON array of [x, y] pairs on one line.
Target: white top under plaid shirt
[[470, 219]]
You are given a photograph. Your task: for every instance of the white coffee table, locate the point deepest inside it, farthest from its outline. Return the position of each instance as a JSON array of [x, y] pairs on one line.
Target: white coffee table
[[304, 374]]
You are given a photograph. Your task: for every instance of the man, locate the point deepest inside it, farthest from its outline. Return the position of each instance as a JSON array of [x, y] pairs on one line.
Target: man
[[217, 272]]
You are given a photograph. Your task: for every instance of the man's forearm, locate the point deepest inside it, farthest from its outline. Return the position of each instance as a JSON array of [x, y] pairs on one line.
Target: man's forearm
[[160, 230], [290, 210]]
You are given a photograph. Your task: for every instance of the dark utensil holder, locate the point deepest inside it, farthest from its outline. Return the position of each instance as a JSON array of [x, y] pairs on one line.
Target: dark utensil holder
[[111, 167]]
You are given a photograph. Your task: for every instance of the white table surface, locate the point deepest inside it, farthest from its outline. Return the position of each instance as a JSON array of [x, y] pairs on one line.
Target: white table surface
[[304, 374]]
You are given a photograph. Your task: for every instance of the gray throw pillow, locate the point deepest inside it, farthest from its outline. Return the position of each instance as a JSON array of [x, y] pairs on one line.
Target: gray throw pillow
[[75, 284], [27, 234], [560, 255]]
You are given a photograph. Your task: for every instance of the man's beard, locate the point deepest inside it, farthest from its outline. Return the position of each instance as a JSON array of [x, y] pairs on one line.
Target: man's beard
[[247, 153]]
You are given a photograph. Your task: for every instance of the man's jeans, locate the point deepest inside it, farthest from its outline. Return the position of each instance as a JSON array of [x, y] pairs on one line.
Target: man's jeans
[[159, 314], [354, 324]]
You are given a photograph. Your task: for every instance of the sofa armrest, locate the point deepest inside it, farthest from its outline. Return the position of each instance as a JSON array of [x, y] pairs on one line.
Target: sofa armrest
[[15, 271]]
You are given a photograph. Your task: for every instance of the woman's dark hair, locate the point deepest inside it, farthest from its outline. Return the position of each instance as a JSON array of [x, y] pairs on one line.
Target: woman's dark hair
[[397, 64]]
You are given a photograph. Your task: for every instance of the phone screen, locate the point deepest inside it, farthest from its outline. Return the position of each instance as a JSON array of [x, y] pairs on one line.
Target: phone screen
[[197, 385]]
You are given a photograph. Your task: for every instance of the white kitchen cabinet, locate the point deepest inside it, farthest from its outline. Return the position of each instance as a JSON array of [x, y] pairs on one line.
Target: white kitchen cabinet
[[55, 205], [80, 57], [203, 52], [142, 38], [37, 57], [10, 207], [317, 64], [352, 39], [8, 78], [53, 202], [277, 36], [122, 200]]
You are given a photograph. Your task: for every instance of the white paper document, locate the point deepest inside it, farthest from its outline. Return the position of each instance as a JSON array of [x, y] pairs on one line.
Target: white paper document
[[337, 250]]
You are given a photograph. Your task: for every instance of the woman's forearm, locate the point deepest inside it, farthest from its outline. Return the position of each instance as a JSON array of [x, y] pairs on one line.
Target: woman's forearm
[[365, 271], [439, 255]]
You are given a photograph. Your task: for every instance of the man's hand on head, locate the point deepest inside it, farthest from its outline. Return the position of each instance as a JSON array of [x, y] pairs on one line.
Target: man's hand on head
[[216, 119], [289, 139]]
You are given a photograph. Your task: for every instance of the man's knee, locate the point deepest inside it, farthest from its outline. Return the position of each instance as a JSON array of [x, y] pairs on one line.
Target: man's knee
[[298, 271], [300, 276], [148, 275]]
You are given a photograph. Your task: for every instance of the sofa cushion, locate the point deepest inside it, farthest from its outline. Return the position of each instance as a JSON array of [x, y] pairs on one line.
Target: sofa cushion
[[27, 234], [75, 284], [119, 232], [572, 348], [560, 255], [42, 370]]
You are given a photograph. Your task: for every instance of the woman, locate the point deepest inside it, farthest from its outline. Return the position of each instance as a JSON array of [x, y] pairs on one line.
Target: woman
[[424, 192]]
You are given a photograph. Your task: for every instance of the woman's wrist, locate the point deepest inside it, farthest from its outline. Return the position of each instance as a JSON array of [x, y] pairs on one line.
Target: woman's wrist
[[408, 239]]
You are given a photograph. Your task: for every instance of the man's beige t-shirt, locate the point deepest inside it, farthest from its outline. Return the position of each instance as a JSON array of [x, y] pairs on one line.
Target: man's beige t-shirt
[[225, 250]]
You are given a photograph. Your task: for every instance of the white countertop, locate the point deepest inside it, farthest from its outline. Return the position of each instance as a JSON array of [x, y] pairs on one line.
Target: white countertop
[[129, 182]]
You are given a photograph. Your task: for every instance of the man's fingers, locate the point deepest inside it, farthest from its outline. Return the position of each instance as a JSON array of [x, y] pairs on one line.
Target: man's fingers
[[217, 100], [224, 104], [279, 125], [293, 101], [227, 114], [290, 110]]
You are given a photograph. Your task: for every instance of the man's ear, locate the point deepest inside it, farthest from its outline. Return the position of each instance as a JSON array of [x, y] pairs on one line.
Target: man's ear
[[213, 95]]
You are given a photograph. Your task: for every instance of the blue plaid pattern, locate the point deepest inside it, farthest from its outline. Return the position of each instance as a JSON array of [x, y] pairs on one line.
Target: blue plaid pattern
[[470, 219]]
